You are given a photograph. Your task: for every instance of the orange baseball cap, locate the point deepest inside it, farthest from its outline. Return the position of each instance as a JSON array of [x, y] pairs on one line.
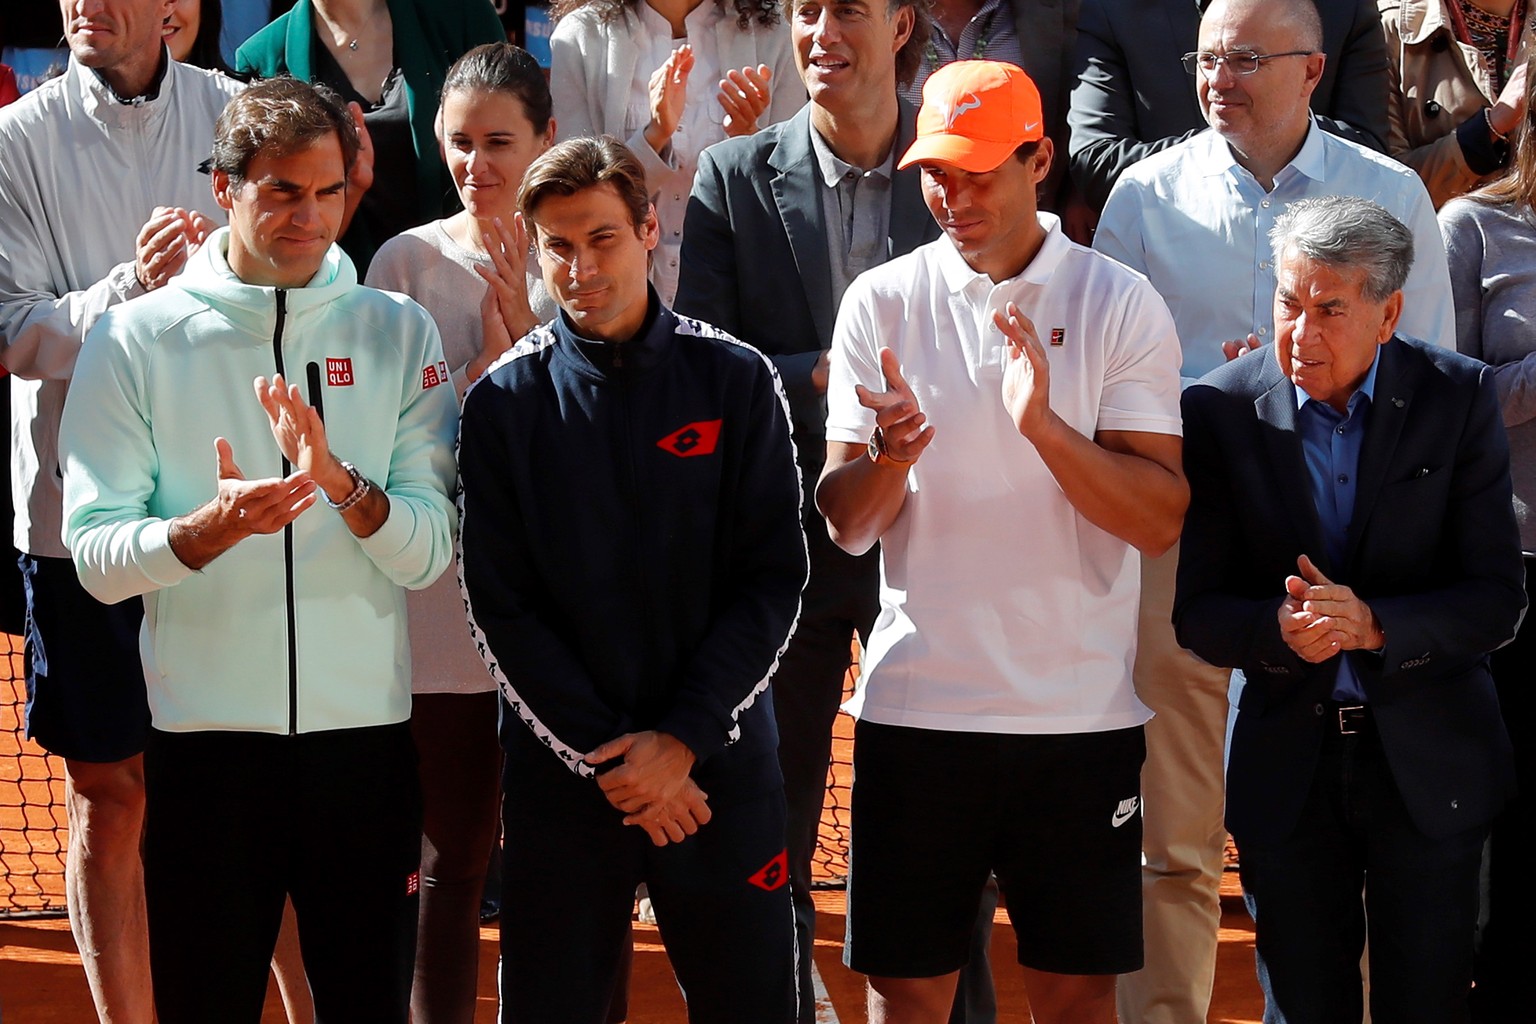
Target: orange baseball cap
[[975, 113]]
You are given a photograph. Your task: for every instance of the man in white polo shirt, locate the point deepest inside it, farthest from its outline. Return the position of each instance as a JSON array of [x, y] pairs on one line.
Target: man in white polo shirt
[[1003, 418]]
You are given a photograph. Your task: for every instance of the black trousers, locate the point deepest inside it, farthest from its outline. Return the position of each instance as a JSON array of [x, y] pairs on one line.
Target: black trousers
[[1506, 946], [841, 599], [569, 871], [1420, 899], [235, 822]]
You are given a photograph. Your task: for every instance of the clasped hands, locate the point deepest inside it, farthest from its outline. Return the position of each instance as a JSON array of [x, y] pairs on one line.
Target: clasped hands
[[652, 786], [267, 505], [1320, 618]]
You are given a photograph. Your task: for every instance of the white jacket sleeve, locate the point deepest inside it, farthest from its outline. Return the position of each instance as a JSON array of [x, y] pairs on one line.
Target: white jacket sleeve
[[42, 324], [110, 467]]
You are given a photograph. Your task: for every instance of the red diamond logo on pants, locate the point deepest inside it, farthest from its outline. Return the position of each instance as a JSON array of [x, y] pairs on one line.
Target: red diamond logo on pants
[[774, 874], [412, 883], [695, 439]]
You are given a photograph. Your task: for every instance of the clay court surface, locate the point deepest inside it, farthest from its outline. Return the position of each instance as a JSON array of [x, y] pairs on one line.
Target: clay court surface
[[41, 981]]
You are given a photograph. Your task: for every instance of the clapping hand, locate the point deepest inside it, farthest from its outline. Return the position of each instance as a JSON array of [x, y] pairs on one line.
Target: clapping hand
[[668, 94], [901, 420], [505, 313], [1027, 375], [744, 95], [165, 243]]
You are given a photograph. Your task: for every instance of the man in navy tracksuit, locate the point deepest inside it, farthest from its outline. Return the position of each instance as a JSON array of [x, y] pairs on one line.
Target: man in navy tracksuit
[[632, 562]]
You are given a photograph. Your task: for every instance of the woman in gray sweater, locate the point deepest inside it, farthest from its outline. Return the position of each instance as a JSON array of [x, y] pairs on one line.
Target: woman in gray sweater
[[1490, 239]]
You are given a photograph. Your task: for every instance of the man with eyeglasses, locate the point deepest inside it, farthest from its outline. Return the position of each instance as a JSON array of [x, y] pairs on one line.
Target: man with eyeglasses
[[1195, 218], [1130, 100]]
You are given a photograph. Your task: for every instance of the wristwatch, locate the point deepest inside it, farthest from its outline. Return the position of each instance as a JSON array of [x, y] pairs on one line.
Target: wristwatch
[[879, 454], [361, 485]]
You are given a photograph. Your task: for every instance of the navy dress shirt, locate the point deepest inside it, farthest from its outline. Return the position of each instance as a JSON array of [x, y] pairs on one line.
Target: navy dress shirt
[[1330, 444]]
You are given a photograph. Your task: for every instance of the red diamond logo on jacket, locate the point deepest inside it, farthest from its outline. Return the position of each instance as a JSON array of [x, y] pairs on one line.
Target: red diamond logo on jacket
[[773, 874], [695, 439]]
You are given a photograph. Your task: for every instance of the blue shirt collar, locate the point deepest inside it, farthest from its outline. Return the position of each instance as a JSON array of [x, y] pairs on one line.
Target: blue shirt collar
[[1310, 160], [1367, 387]]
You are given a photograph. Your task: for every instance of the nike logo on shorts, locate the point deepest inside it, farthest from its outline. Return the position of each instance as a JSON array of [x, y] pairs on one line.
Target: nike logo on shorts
[[1125, 812]]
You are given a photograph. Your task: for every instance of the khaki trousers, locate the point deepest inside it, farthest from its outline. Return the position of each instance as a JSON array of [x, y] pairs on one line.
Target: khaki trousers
[[1183, 801]]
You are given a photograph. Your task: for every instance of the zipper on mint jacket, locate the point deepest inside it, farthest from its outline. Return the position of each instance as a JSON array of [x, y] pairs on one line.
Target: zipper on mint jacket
[[293, 630]]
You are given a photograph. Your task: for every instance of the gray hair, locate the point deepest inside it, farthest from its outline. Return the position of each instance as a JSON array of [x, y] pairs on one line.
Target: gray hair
[[1348, 232]]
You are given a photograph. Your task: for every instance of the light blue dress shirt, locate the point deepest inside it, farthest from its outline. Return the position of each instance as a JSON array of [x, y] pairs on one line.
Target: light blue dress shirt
[[1330, 445], [1197, 224]]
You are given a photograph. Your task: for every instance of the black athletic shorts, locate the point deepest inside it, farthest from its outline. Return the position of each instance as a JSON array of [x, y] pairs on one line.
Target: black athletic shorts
[[1056, 817], [85, 682]]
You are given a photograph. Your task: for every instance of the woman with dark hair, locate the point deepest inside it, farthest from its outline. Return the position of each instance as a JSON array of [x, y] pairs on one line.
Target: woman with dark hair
[[670, 77], [388, 57], [495, 119], [1490, 239], [1457, 87], [192, 33]]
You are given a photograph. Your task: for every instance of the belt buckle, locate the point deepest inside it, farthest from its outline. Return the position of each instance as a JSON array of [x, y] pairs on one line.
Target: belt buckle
[[1351, 719]]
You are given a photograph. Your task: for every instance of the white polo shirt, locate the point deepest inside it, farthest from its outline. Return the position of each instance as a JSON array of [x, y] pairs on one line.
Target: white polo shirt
[[1002, 609]]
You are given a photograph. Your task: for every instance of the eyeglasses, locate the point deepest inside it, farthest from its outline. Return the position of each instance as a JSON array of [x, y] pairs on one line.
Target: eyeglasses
[[1239, 62]]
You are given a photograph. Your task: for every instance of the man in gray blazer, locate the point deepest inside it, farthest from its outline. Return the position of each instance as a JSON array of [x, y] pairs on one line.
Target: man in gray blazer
[[778, 225], [1133, 97]]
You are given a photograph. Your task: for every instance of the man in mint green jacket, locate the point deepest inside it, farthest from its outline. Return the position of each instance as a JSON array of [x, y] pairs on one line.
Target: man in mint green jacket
[[196, 475]]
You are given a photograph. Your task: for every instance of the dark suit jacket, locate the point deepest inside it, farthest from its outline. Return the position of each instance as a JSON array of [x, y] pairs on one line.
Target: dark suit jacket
[[755, 263], [1432, 548], [1046, 31], [1133, 97]]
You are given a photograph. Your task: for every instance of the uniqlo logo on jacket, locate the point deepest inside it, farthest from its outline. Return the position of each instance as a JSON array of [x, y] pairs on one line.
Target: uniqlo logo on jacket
[[338, 373], [434, 374], [697, 438]]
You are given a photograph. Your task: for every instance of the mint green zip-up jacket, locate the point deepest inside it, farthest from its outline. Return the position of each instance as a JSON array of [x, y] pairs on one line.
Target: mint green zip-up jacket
[[162, 376]]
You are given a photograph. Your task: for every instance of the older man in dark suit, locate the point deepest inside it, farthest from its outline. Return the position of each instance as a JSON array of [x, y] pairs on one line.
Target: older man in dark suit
[[778, 226], [1350, 548]]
